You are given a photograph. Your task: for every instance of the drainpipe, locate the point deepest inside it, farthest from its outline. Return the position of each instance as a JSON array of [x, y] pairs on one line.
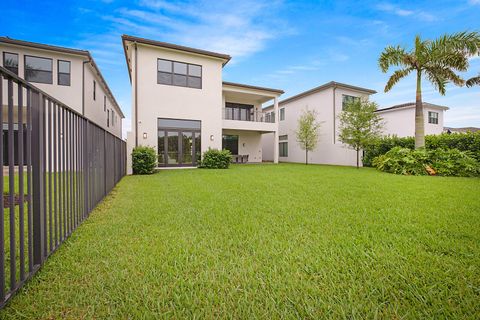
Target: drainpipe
[[334, 128], [136, 101]]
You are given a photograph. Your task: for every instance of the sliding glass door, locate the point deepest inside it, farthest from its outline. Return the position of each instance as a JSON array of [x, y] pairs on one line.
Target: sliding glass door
[[178, 142]]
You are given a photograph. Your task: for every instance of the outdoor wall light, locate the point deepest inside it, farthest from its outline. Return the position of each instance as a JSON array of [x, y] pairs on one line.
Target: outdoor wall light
[[211, 137], [144, 135], [243, 144]]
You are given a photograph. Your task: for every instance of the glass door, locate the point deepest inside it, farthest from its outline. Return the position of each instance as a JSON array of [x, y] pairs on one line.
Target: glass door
[[173, 148], [187, 148]]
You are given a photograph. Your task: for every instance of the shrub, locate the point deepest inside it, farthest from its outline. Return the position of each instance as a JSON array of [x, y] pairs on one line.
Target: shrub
[[144, 160], [216, 159], [451, 162], [469, 141]]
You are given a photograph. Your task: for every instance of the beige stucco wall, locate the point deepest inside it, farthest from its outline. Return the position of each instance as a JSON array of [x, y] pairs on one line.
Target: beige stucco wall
[[249, 142], [165, 101], [329, 150], [401, 122]]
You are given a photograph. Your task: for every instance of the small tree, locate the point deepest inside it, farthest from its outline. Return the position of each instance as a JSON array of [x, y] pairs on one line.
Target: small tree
[[307, 132], [359, 125]]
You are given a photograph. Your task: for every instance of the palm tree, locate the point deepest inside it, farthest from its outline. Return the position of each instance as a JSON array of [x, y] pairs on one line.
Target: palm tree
[[473, 81], [436, 60]]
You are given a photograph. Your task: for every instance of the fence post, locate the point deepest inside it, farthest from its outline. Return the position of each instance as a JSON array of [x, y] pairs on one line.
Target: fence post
[[38, 118]]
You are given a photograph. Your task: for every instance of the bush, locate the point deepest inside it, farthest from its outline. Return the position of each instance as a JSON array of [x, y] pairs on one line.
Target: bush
[[469, 141], [451, 162], [216, 159], [144, 160]]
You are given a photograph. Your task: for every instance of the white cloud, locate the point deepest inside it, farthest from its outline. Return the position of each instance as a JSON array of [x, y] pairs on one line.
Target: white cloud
[[474, 2], [401, 12]]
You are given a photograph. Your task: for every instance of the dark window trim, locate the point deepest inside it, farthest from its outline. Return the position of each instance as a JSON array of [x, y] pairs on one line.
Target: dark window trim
[[94, 90], [104, 103], [25, 68], [69, 72], [283, 137], [282, 114], [347, 95], [108, 118], [283, 146], [12, 53], [431, 119], [180, 120], [179, 74]]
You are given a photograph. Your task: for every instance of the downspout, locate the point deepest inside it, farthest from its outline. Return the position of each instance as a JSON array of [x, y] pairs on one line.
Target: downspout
[[136, 101], [334, 128], [83, 85]]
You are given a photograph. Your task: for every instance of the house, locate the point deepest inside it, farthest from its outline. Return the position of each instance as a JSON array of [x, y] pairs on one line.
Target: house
[[460, 130], [399, 120], [182, 107], [69, 75], [328, 101]]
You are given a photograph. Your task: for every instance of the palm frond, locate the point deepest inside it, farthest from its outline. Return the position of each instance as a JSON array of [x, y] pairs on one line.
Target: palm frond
[[437, 80], [397, 76], [447, 74], [392, 56], [473, 81]]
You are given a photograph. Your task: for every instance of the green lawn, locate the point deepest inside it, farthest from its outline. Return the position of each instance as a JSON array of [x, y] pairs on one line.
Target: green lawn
[[268, 241]]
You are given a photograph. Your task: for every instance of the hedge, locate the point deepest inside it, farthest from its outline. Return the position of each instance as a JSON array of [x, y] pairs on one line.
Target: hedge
[[469, 141]]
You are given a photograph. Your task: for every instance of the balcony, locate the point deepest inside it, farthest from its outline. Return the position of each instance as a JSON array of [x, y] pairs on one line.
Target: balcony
[[248, 115]]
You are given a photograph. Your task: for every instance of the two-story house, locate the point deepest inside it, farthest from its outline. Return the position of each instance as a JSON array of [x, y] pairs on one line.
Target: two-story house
[[182, 107], [328, 101], [399, 120], [69, 75]]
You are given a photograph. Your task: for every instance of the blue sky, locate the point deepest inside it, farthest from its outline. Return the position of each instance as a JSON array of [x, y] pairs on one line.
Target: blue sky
[[292, 45]]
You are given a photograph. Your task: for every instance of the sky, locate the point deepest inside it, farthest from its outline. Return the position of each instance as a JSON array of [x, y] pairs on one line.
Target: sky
[[290, 45]]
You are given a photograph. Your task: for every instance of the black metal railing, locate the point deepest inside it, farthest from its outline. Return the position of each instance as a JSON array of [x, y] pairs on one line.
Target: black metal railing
[[58, 166], [248, 115]]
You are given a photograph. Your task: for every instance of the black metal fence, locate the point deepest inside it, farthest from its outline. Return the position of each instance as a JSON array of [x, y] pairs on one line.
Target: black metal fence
[[59, 165]]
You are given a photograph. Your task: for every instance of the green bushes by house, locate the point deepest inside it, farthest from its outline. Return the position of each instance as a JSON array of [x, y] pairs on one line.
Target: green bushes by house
[[144, 160], [469, 141], [216, 159], [442, 162]]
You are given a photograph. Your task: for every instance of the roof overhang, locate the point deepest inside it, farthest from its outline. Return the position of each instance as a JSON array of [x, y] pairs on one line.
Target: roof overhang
[[411, 105], [237, 92]]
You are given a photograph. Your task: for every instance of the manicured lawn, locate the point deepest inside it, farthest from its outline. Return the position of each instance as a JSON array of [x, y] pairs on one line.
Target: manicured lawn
[[268, 241]]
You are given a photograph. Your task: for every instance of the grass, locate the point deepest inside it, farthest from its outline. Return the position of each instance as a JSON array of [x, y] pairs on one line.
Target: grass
[[268, 241]]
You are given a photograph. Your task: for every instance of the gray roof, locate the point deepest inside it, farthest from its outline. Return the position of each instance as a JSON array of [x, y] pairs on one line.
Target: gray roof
[[412, 104], [84, 53]]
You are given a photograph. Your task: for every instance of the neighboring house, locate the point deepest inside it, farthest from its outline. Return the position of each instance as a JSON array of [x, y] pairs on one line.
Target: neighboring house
[[460, 130], [400, 119], [69, 75], [181, 106], [328, 100]]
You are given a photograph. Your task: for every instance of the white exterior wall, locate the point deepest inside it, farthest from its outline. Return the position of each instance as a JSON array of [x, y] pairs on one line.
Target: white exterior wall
[[165, 101], [249, 142], [329, 150], [72, 95], [401, 121]]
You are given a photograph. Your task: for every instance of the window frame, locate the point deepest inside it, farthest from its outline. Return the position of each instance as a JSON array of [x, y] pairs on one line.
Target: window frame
[[69, 73], [172, 74], [282, 114], [104, 103], [3, 61], [108, 118], [344, 102], [283, 149], [434, 119], [25, 69], [94, 90]]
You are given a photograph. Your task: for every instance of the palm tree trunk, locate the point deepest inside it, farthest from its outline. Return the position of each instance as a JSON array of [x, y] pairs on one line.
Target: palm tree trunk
[[419, 122]]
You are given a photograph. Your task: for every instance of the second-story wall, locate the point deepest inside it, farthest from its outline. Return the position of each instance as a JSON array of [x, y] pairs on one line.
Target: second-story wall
[[401, 122], [167, 101]]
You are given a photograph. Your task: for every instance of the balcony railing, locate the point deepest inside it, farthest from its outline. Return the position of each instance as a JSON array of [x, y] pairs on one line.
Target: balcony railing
[[248, 115]]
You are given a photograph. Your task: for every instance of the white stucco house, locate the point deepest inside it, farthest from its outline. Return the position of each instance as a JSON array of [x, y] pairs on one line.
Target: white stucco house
[[399, 120], [182, 107], [69, 75], [328, 100]]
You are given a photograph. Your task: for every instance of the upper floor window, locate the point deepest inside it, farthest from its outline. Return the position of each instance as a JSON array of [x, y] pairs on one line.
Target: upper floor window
[[283, 137], [105, 103], [113, 118], [346, 99], [94, 90], [10, 62], [282, 114], [179, 74], [108, 118], [433, 117], [63, 73], [38, 69]]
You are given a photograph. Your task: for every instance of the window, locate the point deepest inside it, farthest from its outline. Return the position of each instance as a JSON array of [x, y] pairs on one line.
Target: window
[[230, 143], [10, 62], [282, 114], [238, 111], [108, 118], [283, 137], [432, 117], [113, 116], [38, 69], [283, 149], [94, 90], [63, 73], [270, 117], [179, 74], [348, 99], [105, 103]]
